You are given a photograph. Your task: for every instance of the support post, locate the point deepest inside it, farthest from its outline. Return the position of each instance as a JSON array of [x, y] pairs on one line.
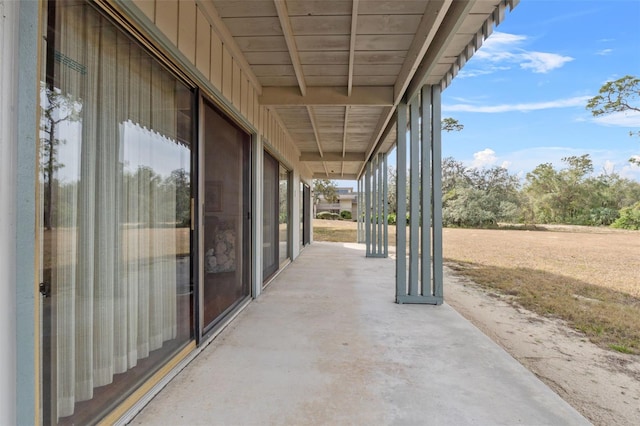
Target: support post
[[436, 188], [401, 198], [359, 212], [426, 170], [385, 200], [414, 184], [425, 202], [374, 208], [367, 208]]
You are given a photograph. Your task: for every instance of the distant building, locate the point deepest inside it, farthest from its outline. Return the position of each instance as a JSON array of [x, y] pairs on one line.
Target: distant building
[[347, 200]]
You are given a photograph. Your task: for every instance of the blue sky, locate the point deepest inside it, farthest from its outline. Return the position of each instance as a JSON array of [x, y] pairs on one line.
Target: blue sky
[[522, 96]]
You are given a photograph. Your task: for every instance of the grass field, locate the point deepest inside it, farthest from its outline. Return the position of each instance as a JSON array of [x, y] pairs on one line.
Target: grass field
[[589, 277]]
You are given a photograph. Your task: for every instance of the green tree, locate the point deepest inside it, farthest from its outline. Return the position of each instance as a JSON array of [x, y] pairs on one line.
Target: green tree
[[449, 124], [327, 188], [478, 197], [572, 195], [56, 109], [629, 218], [620, 95], [560, 196], [179, 180]]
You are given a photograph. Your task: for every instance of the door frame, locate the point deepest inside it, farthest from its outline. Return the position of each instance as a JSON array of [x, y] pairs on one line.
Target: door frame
[[207, 331]]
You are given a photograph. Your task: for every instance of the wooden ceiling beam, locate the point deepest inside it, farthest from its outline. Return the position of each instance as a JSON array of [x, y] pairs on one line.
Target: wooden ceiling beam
[[447, 30], [344, 130], [337, 176], [433, 16], [332, 156], [285, 23], [352, 44], [312, 119], [327, 96]]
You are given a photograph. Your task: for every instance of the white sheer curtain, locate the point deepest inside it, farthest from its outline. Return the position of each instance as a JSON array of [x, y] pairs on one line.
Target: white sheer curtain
[[114, 273]]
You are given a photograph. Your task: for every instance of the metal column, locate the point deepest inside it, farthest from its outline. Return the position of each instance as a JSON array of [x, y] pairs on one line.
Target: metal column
[[360, 212], [367, 208], [377, 231], [424, 284]]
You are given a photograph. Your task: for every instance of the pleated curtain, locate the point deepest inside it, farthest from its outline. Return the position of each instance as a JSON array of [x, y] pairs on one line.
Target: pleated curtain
[[114, 277]]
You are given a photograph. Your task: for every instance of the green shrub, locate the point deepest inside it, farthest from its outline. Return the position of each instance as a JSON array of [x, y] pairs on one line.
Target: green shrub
[[345, 214], [391, 219], [327, 216], [629, 218]]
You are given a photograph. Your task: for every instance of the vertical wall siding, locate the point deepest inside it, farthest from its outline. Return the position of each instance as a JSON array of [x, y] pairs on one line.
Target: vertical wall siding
[[188, 27]]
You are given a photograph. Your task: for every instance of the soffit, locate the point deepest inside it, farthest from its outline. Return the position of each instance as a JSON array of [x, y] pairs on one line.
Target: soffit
[[335, 78]]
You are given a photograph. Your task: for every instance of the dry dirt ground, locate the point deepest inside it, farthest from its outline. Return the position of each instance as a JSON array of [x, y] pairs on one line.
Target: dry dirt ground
[[601, 384]]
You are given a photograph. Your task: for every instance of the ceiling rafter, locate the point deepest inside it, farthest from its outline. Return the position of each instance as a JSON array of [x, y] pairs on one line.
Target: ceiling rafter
[[432, 17], [327, 95], [447, 30], [285, 23], [352, 44], [326, 171], [453, 18], [312, 119], [344, 135], [332, 156]]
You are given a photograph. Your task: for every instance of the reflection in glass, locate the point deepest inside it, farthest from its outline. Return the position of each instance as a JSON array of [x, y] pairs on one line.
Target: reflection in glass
[[270, 197], [283, 216], [115, 182]]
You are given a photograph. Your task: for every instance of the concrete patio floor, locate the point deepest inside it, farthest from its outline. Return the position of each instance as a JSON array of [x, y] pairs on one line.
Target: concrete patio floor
[[326, 345]]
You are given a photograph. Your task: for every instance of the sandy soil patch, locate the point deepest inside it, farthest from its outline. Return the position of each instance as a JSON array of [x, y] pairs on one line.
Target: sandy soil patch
[[602, 385]]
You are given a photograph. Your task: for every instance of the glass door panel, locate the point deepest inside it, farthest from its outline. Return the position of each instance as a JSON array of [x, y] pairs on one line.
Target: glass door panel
[[306, 201], [270, 256], [227, 219], [283, 214], [115, 181]]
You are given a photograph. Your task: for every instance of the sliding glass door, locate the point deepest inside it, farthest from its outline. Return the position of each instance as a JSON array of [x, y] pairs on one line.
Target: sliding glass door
[[227, 215], [270, 228], [306, 215], [283, 214], [115, 184], [276, 200]]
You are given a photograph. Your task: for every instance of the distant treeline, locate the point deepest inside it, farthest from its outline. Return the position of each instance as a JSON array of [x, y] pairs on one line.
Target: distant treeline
[[484, 197]]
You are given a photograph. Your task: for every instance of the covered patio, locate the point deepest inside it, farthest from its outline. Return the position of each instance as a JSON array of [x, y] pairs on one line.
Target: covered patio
[[326, 344]]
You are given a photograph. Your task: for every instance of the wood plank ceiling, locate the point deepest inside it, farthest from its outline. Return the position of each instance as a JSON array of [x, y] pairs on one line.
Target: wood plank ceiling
[[334, 71]]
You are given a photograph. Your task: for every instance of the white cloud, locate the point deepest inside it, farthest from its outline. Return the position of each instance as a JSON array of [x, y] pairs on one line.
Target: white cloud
[[604, 52], [622, 119], [609, 166], [504, 48], [630, 170], [542, 63], [521, 107], [524, 161], [486, 157]]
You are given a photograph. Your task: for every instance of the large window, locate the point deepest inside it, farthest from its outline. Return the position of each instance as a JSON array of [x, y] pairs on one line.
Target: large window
[[276, 196], [115, 162], [283, 213]]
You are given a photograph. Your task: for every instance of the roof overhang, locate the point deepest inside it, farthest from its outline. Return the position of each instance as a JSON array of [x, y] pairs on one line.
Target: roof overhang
[[334, 71]]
